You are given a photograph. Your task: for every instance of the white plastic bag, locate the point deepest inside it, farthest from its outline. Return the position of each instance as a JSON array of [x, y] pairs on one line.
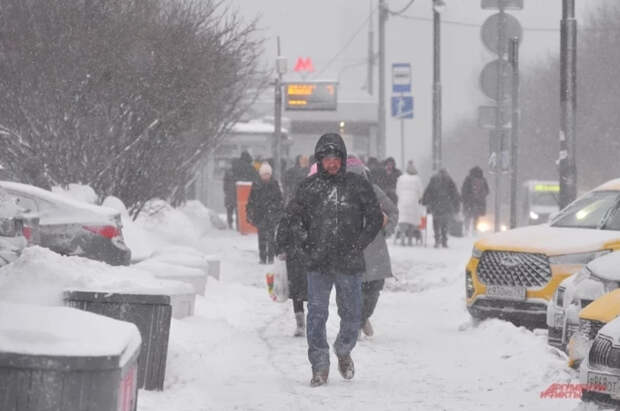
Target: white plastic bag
[[277, 281]]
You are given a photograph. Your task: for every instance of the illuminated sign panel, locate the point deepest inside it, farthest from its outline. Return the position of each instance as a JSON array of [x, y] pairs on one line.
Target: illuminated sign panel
[[311, 96]]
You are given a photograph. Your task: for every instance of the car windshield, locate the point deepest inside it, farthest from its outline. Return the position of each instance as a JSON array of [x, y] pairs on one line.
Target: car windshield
[[544, 198], [589, 211]]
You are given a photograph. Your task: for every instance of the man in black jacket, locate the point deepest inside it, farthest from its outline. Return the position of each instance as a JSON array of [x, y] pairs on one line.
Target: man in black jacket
[[341, 214], [442, 199]]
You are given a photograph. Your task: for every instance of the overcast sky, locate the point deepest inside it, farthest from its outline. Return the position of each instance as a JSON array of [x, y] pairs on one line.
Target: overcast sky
[[320, 29]]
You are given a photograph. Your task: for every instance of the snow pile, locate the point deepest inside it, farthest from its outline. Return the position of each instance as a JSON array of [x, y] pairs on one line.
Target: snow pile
[[40, 276], [61, 331], [78, 192]]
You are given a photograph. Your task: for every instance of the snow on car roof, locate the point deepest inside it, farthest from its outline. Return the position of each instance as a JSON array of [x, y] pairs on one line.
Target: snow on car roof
[[57, 199], [62, 331], [609, 185]]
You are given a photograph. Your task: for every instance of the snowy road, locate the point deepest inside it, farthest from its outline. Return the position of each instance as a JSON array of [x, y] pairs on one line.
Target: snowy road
[[238, 352]]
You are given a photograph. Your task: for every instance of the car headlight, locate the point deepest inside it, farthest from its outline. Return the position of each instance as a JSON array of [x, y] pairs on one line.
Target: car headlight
[[534, 215], [577, 258], [476, 252], [469, 285]]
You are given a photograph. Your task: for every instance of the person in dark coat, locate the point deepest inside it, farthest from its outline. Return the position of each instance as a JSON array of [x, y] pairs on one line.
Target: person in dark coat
[[474, 195], [441, 197], [376, 255], [341, 215], [243, 169], [264, 210], [294, 176], [230, 193], [386, 178], [290, 237]]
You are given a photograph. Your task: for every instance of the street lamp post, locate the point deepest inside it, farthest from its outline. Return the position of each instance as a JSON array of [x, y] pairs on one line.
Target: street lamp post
[[438, 6], [277, 126], [568, 100]]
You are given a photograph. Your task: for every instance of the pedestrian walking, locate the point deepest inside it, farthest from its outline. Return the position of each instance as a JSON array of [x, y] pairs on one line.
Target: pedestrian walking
[[294, 176], [264, 211], [230, 194], [474, 195], [341, 215], [290, 237], [409, 190], [376, 255], [442, 199], [386, 178]]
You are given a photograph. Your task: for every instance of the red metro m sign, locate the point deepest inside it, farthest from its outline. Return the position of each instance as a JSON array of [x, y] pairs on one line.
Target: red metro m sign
[[304, 65]]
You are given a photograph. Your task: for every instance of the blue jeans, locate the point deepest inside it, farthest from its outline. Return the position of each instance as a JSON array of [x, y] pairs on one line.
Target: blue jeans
[[349, 300]]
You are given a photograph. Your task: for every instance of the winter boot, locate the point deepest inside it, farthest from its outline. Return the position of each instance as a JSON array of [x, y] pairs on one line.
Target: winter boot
[[346, 367], [367, 329], [300, 331], [319, 377]]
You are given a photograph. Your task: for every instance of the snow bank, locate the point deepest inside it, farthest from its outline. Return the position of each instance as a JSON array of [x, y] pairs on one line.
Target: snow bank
[[40, 277], [61, 331], [78, 192]]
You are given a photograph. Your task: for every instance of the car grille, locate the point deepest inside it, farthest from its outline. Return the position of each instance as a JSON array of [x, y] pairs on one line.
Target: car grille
[[604, 354], [590, 328], [514, 269]]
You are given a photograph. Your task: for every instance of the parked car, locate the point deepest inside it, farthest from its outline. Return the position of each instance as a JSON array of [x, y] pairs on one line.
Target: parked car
[[73, 227], [558, 306], [18, 229], [513, 274], [600, 370]]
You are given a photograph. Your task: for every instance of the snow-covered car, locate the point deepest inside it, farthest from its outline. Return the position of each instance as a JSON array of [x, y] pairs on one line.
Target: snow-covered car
[[514, 274], [599, 373], [557, 307], [18, 229], [72, 227]]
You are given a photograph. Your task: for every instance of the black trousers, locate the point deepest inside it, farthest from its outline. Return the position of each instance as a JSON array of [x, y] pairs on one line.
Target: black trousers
[[266, 244], [440, 227], [370, 297]]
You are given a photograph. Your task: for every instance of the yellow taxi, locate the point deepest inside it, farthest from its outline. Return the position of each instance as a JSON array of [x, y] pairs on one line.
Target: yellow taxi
[[514, 274]]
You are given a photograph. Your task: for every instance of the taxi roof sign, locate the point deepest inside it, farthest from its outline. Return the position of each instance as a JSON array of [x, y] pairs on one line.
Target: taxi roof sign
[[553, 188]]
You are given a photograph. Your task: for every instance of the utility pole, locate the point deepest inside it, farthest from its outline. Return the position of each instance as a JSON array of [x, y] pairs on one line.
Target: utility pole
[[568, 100], [381, 137], [436, 85], [514, 137], [371, 55], [499, 126], [277, 126]]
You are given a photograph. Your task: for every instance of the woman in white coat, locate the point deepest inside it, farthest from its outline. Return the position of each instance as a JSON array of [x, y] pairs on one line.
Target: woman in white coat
[[409, 190]]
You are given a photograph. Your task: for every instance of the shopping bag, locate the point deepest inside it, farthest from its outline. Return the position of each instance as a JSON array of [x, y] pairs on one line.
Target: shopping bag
[[277, 281]]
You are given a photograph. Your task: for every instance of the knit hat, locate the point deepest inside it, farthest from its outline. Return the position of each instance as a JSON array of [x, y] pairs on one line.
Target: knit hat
[[265, 169]]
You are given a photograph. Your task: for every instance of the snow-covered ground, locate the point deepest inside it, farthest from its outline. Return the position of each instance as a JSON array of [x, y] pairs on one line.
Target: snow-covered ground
[[238, 353]]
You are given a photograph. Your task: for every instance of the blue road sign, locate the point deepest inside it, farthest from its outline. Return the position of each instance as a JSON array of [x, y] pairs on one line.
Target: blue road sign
[[402, 106], [401, 78]]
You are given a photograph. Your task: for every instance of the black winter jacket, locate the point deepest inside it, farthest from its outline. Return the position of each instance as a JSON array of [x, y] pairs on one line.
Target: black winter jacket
[[265, 205], [441, 195], [340, 213]]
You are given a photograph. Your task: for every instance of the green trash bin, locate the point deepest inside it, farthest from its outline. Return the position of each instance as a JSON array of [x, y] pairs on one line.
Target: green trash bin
[[62, 359], [151, 313]]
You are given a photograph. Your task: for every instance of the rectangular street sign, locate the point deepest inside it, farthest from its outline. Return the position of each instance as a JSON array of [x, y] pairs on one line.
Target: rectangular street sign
[[401, 78], [488, 114], [311, 96], [402, 107], [507, 4]]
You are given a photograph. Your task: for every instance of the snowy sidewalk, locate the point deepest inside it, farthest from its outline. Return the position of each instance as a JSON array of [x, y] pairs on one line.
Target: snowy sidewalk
[[238, 352]]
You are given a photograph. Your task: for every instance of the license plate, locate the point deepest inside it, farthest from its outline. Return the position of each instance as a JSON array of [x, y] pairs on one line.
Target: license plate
[[611, 383], [506, 292]]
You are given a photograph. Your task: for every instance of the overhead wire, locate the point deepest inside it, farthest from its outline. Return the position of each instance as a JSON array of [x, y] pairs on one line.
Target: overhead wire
[[473, 25], [348, 43]]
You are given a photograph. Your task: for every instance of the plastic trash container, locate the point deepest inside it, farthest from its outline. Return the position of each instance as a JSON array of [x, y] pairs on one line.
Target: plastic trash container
[[62, 359], [243, 195], [150, 313]]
